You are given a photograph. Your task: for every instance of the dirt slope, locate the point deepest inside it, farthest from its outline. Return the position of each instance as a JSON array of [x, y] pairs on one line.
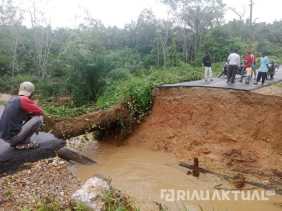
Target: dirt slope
[[227, 130]]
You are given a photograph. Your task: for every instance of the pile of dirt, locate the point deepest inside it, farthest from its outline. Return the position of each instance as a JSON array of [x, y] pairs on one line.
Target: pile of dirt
[[227, 130]]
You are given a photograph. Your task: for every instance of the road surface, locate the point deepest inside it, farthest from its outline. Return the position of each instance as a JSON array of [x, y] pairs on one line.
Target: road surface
[[221, 83]]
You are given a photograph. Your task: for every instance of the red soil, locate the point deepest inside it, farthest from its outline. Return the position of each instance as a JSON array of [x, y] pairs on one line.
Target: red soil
[[227, 130]]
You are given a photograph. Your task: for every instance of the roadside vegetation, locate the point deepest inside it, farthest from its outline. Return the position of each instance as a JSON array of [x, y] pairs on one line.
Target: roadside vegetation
[[137, 87]]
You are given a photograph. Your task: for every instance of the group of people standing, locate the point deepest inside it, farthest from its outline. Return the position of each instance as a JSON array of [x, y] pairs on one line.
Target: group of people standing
[[246, 68]]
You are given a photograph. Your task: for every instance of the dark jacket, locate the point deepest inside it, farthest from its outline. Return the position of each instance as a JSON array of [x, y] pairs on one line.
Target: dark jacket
[[207, 61], [17, 111]]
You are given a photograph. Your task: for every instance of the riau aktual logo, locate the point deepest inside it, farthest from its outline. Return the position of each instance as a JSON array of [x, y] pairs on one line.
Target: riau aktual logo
[[172, 195]]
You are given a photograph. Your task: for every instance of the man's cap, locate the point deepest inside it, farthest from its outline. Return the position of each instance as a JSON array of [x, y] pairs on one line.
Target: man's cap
[[26, 89]]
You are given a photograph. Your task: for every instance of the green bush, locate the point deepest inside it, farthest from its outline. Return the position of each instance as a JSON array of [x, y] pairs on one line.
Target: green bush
[[137, 88], [124, 58], [217, 68], [87, 79], [118, 74], [11, 85], [52, 88], [139, 95], [116, 201]]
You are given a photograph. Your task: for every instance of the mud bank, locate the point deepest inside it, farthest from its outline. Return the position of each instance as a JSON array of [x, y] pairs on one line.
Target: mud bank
[[227, 130]]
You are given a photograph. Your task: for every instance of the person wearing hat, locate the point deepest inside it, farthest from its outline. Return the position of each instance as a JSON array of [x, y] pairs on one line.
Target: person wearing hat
[[21, 118]]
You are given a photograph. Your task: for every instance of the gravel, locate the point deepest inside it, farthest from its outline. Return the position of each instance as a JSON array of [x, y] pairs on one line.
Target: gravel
[[45, 179], [34, 182]]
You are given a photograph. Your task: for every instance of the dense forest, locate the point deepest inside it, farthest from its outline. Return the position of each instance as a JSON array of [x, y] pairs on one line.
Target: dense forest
[[103, 65]]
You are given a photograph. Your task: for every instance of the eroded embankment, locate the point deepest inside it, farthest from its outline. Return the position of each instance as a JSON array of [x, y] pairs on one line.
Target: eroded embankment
[[115, 123], [225, 129]]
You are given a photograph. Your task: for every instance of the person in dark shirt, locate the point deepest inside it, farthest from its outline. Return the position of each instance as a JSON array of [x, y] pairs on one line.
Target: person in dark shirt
[[21, 118], [271, 70], [207, 67]]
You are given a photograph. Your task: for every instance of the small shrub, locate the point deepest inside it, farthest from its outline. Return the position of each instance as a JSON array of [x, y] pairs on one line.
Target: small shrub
[[118, 74], [80, 207], [116, 201], [51, 88], [48, 204]]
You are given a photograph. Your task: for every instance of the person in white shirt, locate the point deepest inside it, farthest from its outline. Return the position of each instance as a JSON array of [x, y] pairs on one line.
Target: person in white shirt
[[234, 63]]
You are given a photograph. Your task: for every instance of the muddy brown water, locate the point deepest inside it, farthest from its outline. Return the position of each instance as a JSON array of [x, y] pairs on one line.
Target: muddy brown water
[[142, 173]]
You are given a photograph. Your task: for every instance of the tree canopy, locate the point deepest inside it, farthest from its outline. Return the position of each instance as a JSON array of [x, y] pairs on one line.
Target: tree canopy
[[79, 61]]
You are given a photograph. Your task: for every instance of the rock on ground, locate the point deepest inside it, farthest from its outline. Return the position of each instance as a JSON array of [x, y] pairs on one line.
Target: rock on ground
[[91, 193]]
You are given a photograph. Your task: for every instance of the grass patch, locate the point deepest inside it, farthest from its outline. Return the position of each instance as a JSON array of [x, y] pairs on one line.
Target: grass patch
[[137, 87], [48, 204], [116, 201], [66, 110], [217, 68], [79, 207], [51, 204]]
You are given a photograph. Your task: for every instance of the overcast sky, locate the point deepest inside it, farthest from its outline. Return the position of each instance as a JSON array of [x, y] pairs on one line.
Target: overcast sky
[[120, 12]]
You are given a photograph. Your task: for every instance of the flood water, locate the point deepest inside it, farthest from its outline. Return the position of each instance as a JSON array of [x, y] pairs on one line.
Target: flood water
[[142, 174]]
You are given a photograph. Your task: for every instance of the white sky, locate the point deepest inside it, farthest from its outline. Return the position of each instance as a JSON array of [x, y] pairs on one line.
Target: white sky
[[120, 12]]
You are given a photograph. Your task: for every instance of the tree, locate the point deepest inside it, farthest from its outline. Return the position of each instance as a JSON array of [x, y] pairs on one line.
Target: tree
[[41, 34], [146, 31], [10, 20], [165, 43], [9, 13], [197, 16]]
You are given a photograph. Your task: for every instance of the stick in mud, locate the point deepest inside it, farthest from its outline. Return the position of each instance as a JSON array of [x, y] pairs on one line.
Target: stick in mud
[[196, 170], [70, 155], [275, 187]]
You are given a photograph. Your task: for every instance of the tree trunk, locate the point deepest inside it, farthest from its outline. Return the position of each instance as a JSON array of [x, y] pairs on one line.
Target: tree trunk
[[14, 61], [115, 121]]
